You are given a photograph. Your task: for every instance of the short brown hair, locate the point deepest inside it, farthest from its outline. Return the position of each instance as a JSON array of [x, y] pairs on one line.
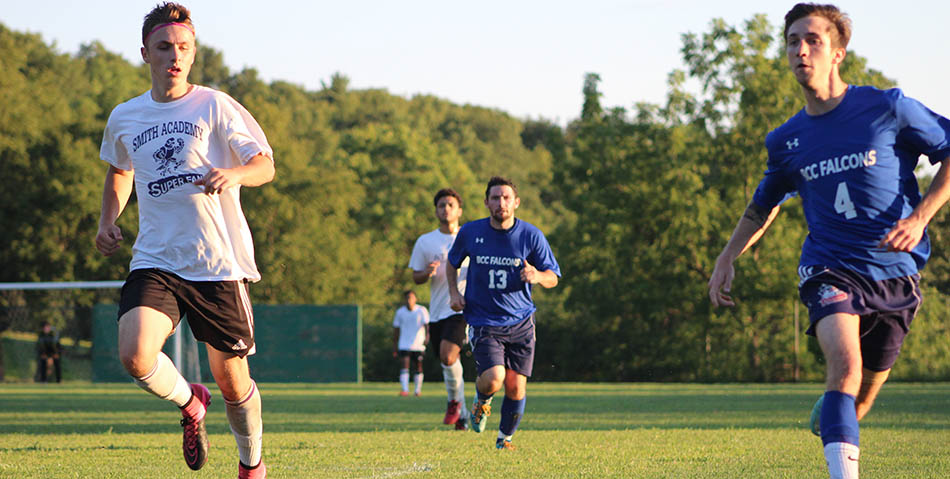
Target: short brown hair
[[500, 181], [841, 34], [167, 12], [446, 192]]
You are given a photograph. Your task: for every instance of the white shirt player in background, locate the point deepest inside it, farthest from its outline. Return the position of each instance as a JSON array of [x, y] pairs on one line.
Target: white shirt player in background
[[187, 150], [448, 327], [410, 337]]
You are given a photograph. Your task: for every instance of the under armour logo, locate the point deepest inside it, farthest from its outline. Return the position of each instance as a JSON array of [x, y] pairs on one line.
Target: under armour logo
[[792, 143], [479, 240]]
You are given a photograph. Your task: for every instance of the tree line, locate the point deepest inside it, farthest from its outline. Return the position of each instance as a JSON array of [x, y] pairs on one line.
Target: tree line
[[636, 201]]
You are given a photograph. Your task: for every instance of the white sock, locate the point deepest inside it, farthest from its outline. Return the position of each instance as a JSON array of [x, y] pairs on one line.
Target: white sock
[[454, 385], [418, 379], [842, 459], [166, 382], [246, 425], [404, 379], [504, 436]]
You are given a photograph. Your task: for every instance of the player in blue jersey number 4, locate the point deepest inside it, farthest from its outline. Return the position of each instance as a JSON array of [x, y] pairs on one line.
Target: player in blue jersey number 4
[[850, 154], [507, 256]]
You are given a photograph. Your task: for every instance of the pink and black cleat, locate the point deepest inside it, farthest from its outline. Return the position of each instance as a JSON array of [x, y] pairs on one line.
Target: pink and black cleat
[[452, 412], [194, 442]]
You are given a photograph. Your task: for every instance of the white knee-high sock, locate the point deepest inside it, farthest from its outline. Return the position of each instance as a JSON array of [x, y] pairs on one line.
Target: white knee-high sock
[[166, 382], [404, 379], [418, 381], [842, 460], [454, 382], [244, 417]]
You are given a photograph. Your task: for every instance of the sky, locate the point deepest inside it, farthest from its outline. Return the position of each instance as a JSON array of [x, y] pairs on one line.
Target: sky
[[527, 58]]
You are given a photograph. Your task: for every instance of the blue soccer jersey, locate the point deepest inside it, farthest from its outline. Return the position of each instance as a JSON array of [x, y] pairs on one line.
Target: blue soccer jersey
[[494, 292], [854, 170]]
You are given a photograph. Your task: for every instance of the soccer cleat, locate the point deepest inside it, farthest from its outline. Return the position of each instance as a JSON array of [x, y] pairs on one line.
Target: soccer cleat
[[504, 444], [403, 393], [452, 412], [816, 416], [257, 472], [480, 413], [461, 424], [418, 393], [194, 442]]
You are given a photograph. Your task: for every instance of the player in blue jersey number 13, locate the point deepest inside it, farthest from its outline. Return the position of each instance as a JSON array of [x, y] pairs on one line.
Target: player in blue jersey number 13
[[507, 257], [850, 154]]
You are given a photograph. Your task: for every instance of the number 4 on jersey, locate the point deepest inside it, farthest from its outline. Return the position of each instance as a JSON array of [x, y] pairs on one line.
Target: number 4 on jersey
[[843, 203]]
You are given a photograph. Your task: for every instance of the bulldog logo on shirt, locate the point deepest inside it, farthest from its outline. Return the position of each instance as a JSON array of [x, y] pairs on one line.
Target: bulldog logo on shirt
[[165, 156]]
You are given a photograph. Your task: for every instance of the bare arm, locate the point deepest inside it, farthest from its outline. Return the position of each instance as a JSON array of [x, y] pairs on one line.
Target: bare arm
[[115, 195], [420, 277], [546, 278], [749, 230], [395, 342], [256, 172], [908, 231], [456, 301]]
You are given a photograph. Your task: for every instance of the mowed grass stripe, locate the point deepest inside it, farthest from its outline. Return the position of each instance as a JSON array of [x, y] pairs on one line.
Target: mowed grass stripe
[[78, 430]]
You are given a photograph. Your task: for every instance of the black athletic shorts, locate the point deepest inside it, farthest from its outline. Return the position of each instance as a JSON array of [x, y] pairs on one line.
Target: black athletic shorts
[[415, 356], [451, 329], [886, 308], [219, 312]]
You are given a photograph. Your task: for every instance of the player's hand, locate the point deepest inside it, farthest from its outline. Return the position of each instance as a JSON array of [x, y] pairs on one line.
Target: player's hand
[[395, 354], [218, 180], [432, 268], [108, 239], [904, 236], [457, 302], [529, 274], [720, 283]]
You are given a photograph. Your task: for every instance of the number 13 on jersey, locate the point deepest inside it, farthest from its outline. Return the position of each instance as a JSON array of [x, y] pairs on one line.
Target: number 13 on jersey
[[497, 279]]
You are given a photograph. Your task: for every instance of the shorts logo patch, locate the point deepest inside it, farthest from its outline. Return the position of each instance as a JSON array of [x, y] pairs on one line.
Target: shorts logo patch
[[239, 346], [829, 294]]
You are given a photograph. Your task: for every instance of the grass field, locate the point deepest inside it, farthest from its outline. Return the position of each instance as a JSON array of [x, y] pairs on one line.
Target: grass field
[[82, 430]]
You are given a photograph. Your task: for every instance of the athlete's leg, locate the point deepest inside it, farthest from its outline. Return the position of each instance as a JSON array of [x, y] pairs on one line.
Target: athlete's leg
[[404, 373], [512, 408], [417, 374], [142, 332], [242, 401], [871, 383], [839, 337], [487, 384], [490, 381], [449, 355]]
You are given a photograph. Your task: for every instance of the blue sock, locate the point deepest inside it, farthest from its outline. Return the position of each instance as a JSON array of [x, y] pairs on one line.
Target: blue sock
[[839, 420], [511, 412]]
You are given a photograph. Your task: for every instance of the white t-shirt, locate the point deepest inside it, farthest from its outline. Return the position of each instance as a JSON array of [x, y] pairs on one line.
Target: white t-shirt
[[432, 246], [411, 324], [197, 236]]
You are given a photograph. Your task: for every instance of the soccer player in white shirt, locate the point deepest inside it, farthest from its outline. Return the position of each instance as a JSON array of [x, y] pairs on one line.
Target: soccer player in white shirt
[[448, 327], [187, 150], [410, 337]]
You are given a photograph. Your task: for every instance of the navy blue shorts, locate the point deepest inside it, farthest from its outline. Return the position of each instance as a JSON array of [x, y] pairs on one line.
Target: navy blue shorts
[[886, 308], [508, 346]]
